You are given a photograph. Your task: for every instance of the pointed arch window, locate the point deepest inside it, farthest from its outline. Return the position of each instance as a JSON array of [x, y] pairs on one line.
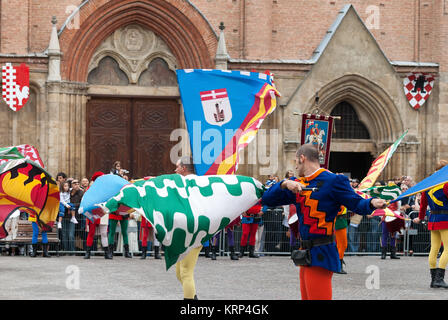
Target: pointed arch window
[[108, 72], [349, 127]]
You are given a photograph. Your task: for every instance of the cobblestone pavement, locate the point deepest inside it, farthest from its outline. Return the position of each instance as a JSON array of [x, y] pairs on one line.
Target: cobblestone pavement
[[266, 278]]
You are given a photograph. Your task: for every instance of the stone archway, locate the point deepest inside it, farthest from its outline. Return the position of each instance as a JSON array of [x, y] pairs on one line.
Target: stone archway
[[185, 31], [374, 106], [375, 109]]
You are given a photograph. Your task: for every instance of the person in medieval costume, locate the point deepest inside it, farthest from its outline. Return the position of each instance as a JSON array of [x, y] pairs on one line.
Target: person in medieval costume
[[183, 210], [147, 233], [123, 219], [34, 239], [100, 224], [437, 199], [230, 239], [185, 267], [390, 227], [250, 220], [340, 231], [318, 258]]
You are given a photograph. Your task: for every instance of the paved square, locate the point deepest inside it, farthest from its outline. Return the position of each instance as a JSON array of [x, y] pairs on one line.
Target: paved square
[[266, 278]]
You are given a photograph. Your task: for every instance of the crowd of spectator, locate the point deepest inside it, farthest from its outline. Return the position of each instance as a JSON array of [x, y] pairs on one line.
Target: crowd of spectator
[[364, 233], [272, 235]]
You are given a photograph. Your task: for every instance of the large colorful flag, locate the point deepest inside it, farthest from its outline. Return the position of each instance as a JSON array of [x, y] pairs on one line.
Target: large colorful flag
[[389, 193], [18, 152], [27, 187], [104, 188], [223, 111], [379, 164], [437, 179], [186, 211]]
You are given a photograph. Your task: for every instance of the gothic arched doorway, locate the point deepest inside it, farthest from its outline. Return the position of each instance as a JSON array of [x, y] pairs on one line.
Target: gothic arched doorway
[[350, 127], [129, 116]]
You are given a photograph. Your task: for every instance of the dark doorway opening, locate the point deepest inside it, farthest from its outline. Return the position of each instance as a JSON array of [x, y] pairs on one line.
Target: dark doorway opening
[[354, 164]]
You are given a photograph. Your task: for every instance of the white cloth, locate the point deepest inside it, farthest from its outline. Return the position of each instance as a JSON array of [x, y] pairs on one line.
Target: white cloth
[[132, 237], [64, 198], [285, 215]]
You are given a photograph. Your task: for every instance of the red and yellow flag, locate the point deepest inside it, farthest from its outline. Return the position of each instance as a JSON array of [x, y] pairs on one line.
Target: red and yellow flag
[[379, 164]]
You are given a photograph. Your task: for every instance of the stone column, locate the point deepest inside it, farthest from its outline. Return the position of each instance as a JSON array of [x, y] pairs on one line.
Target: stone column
[[54, 54], [222, 56], [56, 149]]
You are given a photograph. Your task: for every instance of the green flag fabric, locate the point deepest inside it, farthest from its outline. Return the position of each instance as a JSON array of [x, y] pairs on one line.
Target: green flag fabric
[[10, 153], [186, 211], [389, 192]]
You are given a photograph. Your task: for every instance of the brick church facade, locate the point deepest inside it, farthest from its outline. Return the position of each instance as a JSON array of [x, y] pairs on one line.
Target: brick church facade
[[103, 84]]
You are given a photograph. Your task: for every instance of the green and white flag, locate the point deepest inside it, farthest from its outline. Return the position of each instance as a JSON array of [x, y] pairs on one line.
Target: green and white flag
[[186, 211], [389, 192]]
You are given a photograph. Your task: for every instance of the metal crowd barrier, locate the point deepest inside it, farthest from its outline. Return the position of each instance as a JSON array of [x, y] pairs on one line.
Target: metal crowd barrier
[[272, 238]]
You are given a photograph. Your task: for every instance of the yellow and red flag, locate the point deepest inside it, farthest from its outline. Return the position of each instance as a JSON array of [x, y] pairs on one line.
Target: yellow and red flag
[[27, 187], [379, 164]]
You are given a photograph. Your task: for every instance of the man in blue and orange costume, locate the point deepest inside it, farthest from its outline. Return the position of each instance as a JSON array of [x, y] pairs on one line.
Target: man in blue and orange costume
[[317, 209], [437, 199]]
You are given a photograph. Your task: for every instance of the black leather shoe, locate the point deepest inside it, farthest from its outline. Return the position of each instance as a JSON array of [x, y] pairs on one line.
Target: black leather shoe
[[439, 279], [242, 249], [87, 255], [143, 253], [157, 253], [252, 253], [393, 253], [127, 254], [342, 267]]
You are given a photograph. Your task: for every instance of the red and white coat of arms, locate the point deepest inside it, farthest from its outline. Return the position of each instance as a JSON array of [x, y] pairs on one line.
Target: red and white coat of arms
[[216, 106], [417, 88], [15, 85]]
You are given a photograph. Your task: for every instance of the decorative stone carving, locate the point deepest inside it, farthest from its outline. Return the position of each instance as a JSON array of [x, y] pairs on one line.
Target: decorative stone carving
[[133, 47]]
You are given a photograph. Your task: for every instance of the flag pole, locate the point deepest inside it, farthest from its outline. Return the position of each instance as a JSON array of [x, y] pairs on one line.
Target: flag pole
[[316, 110]]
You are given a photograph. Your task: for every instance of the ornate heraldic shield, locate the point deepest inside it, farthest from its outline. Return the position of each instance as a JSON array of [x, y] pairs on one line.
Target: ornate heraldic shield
[[15, 85], [417, 88]]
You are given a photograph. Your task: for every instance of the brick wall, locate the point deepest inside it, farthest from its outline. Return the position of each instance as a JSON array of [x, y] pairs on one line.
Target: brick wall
[[440, 27], [42, 13], [14, 26], [264, 29], [292, 29]]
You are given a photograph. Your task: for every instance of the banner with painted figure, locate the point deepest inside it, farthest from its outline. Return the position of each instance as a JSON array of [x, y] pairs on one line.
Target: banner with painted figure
[[379, 164], [186, 211], [223, 111], [19, 152], [317, 130]]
